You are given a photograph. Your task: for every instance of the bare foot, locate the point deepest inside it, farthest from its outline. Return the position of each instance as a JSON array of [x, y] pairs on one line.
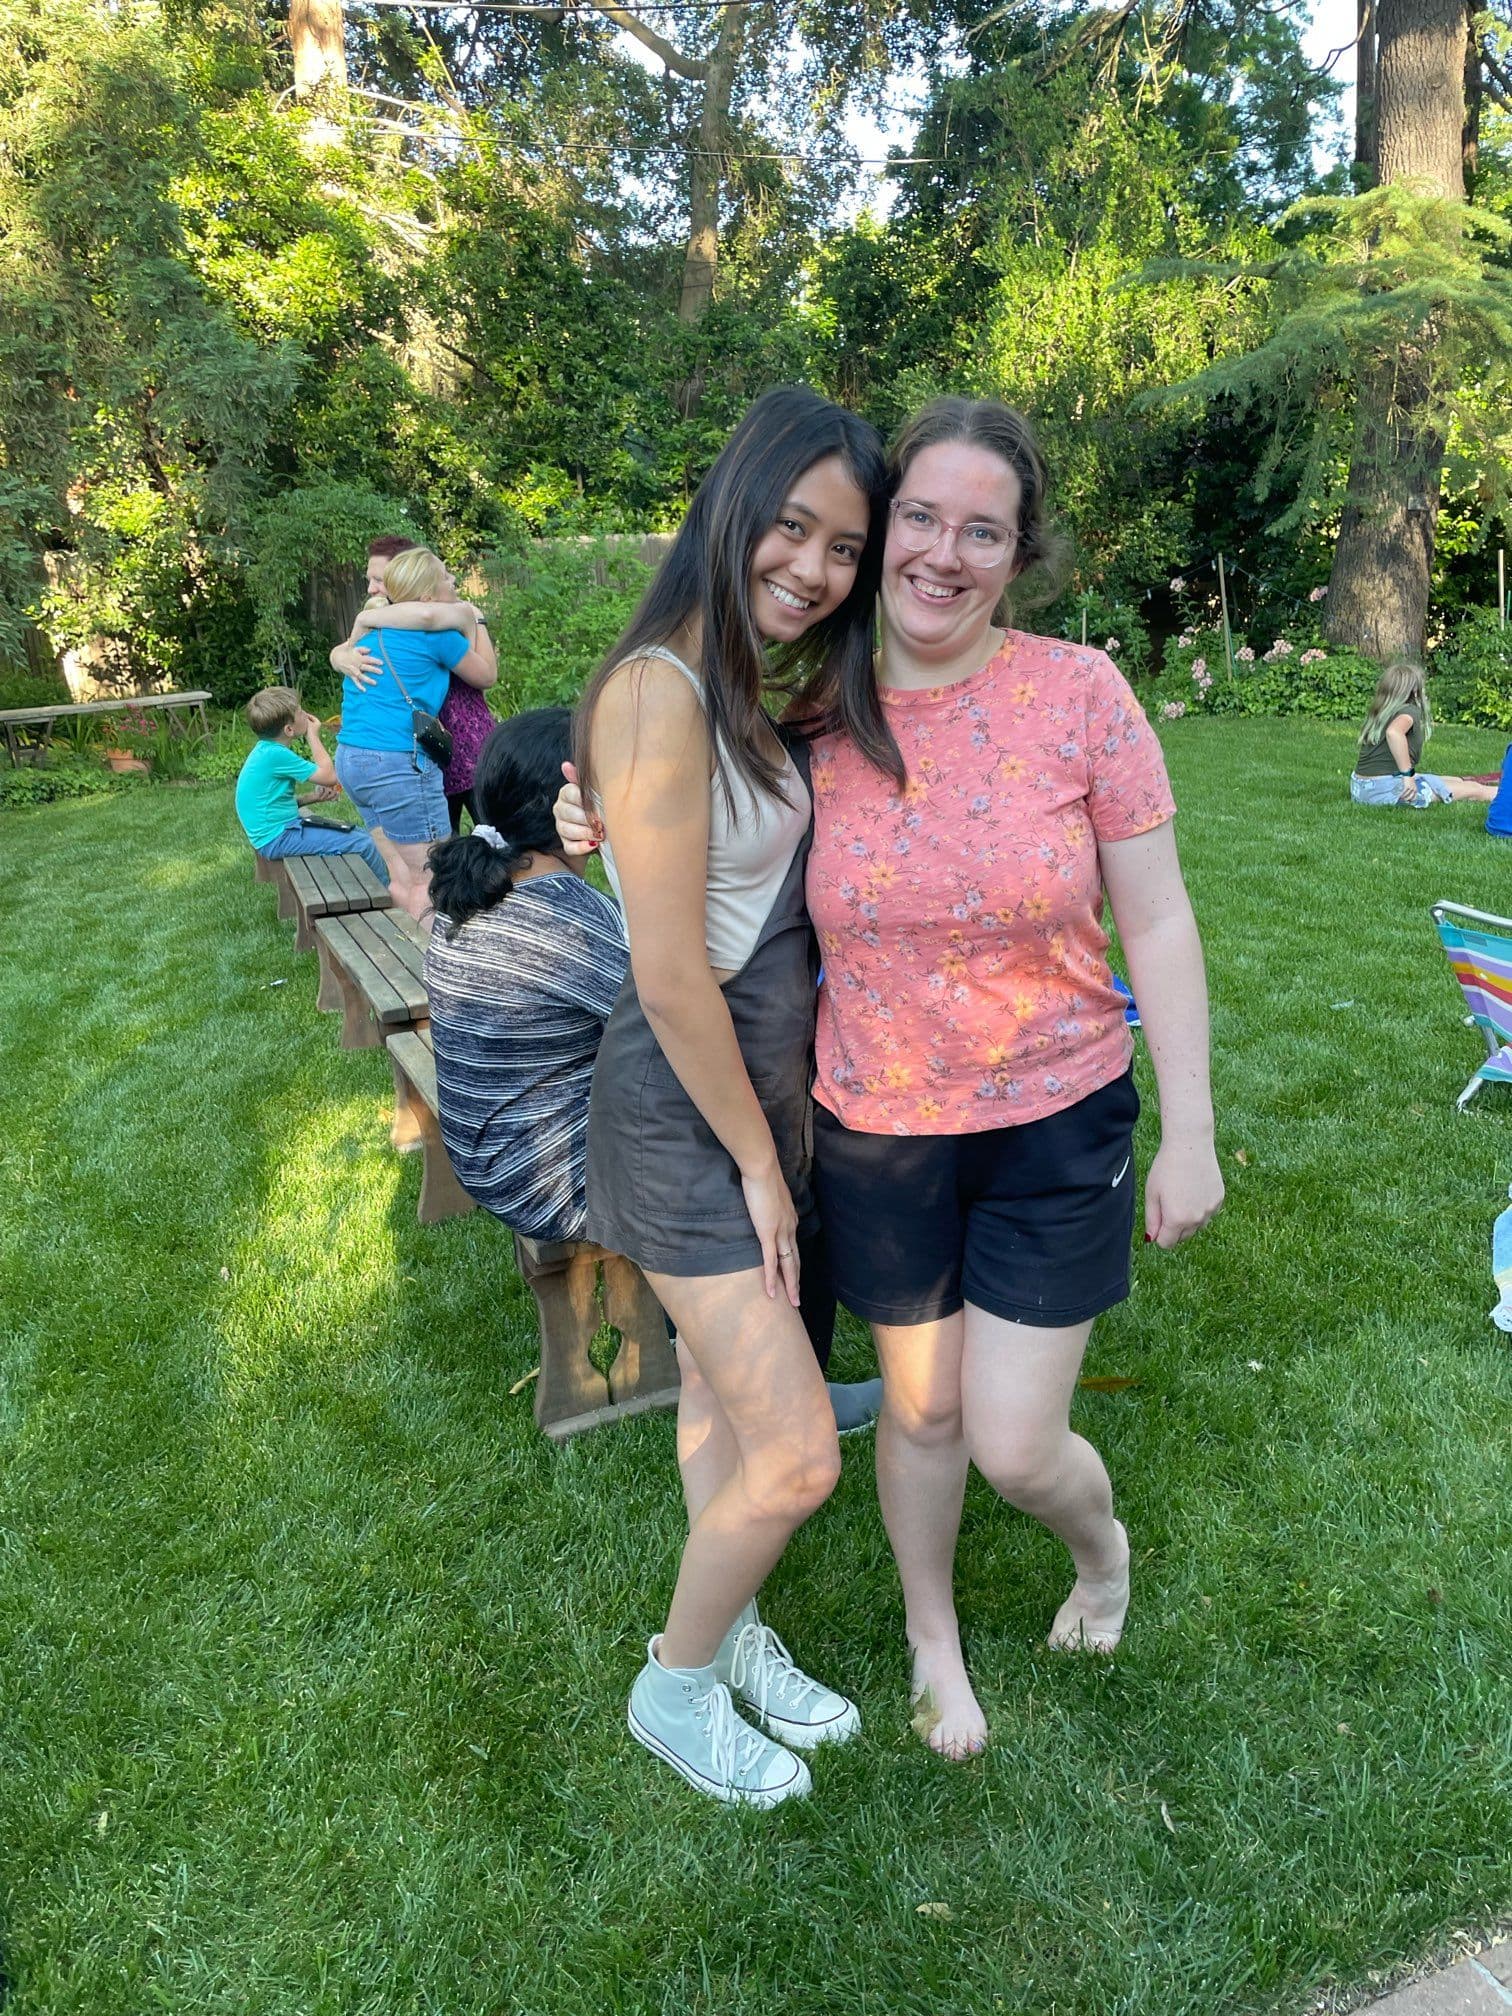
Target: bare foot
[[1092, 1617], [946, 1714]]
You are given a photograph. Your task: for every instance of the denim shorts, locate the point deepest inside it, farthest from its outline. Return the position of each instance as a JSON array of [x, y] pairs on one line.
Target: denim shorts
[[1426, 790], [397, 793]]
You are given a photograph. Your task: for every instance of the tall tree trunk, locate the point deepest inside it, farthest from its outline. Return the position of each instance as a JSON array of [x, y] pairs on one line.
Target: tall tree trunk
[[1365, 91], [317, 31], [1474, 88], [1383, 561], [705, 178]]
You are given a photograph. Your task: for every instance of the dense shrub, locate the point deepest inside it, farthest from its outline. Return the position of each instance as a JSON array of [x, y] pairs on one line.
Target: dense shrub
[[558, 610], [1472, 673], [34, 785], [1289, 676], [220, 756], [1114, 627], [32, 689]]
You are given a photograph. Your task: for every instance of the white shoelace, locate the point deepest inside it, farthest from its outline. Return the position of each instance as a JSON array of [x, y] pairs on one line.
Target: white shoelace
[[734, 1746], [762, 1665]]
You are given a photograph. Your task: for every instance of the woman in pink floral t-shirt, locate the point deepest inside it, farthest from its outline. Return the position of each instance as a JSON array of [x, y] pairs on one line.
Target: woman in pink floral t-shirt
[[974, 803], [974, 1093]]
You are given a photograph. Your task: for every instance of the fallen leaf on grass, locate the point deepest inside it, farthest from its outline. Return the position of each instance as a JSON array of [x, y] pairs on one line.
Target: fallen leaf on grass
[[1102, 1382], [1343, 1728], [1165, 1814], [102, 1821], [225, 1273], [1241, 1158], [1255, 1364], [520, 1384], [934, 1911]]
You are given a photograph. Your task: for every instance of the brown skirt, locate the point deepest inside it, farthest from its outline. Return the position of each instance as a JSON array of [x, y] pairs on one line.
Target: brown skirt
[[662, 1188]]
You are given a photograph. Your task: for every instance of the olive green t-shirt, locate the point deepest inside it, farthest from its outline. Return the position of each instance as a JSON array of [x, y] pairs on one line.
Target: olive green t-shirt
[[1375, 758]]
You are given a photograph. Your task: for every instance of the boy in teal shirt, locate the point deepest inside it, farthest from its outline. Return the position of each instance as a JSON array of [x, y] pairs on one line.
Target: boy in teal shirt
[[266, 803]]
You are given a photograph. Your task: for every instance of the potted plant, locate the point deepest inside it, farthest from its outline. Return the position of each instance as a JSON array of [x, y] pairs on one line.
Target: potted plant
[[131, 743]]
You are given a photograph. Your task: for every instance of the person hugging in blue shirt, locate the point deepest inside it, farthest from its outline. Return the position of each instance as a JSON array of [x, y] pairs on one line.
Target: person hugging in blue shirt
[[393, 783]]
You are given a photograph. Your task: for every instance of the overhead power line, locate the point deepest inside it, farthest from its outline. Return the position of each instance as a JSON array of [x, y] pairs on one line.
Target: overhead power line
[[539, 6]]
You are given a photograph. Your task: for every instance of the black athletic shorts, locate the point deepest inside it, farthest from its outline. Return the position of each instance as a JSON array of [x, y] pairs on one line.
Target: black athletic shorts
[[1030, 1223]]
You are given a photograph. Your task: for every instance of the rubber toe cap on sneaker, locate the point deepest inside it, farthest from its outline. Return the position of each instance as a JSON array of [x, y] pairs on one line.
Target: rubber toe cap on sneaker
[[836, 1727]]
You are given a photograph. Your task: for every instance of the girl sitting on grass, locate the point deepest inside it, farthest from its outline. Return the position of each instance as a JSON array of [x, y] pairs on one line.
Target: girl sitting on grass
[[1398, 724]]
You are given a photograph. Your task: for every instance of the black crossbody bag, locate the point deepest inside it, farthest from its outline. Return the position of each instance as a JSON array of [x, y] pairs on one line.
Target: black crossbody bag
[[429, 734]]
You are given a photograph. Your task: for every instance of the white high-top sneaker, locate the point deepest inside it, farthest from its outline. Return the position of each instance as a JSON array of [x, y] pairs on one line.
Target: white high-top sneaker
[[755, 1664], [684, 1715]]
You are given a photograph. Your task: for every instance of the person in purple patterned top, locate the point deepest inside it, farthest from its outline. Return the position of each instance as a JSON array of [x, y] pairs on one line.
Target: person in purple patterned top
[[469, 720]]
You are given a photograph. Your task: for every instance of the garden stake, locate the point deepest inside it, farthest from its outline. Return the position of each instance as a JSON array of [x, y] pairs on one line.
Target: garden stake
[[1084, 629], [1228, 635], [1501, 585]]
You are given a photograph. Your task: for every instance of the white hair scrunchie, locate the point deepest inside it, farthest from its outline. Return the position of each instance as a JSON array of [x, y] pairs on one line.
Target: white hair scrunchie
[[493, 836]]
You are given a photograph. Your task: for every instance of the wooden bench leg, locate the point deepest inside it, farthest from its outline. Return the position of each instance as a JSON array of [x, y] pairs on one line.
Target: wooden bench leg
[[338, 992], [288, 902], [569, 1396], [415, 1126], [644, 1374], [578, 1288], [264, 871], [304, 929], [406, 1134], [441, 1195], [332, 994]]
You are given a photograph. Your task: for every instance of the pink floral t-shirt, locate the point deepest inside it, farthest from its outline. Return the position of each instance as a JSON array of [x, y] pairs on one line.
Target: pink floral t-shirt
[[966, 982]]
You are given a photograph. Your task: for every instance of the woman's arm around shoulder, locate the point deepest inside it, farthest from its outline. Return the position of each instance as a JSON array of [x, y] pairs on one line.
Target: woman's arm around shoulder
[[429, 616]]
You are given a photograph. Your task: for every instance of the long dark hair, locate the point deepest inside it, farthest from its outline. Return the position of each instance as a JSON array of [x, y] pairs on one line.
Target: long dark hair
[[849, 702], [707, 576], [518, 776]]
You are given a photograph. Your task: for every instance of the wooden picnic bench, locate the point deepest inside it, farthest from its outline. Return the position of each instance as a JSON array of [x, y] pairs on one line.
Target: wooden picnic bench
[[586, 1295], [372, 970], [416, 1125], [312, 886], [14, 719], [583, 1294]]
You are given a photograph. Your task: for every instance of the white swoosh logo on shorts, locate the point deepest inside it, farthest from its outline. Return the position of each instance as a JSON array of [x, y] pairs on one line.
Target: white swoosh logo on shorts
[[1121, 1174]]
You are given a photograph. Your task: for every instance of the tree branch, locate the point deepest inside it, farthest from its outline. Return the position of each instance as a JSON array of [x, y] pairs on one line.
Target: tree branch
[[1500, 82], [674, 59]]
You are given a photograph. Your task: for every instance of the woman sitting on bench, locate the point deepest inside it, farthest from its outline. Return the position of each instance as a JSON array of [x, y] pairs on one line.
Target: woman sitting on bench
[[524, 963]]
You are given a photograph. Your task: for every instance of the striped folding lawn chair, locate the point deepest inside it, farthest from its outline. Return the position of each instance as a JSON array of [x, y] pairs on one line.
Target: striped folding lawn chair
[[1480, 951]]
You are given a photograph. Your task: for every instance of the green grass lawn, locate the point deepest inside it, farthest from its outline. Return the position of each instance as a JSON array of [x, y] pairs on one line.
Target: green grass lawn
[[314, 1655]]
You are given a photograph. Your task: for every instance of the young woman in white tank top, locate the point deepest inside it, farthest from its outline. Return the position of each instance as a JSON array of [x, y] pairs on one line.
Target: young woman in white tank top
[[699, 1137]]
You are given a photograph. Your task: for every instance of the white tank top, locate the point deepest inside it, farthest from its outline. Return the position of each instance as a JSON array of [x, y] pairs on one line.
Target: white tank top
[[749, 854]]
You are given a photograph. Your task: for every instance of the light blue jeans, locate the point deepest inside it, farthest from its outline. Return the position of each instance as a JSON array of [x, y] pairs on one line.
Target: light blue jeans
[[399, 794], [301, 839], [1430, 790]]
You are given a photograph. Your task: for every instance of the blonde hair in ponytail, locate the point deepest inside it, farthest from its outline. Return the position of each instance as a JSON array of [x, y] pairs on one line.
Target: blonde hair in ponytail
[[1402, 684]]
